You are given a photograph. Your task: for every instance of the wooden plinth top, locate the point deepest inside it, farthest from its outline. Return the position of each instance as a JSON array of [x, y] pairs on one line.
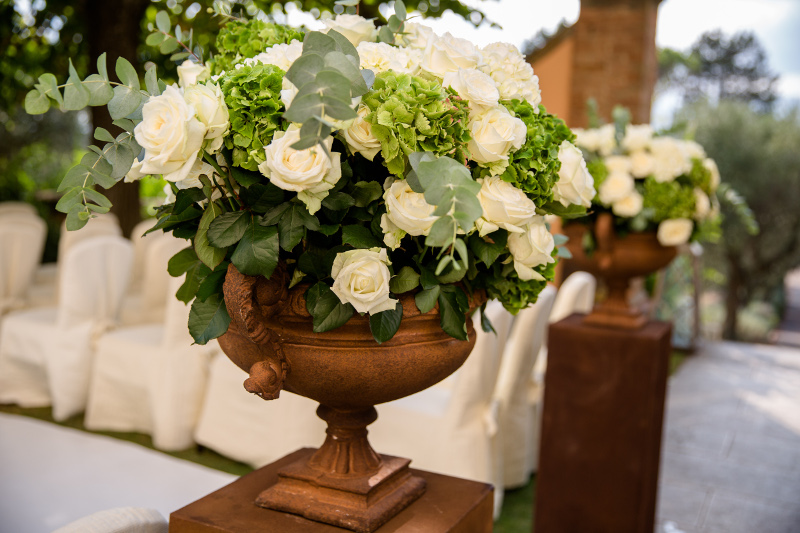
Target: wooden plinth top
[[449, 505]]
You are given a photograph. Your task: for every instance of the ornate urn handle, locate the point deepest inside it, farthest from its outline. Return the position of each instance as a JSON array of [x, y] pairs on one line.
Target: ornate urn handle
[[604, 235], [250, 319]]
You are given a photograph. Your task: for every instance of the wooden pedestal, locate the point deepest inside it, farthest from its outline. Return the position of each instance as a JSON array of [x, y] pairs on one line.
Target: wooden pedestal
[[601, 428], [448, 505]]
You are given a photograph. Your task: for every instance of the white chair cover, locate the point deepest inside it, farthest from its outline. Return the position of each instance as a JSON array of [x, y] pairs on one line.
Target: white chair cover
[[576, 295], [16, 209], [45, 354], [147, 306], [120, 520], [46, 285], [514, 386], [141, 243], [453, 430], [150, 378], [244, 427], [21, 244]]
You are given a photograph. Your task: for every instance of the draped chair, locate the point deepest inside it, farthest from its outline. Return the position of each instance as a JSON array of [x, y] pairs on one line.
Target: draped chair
[[147, 305], [21, 243], [141, 243], [45, 353]]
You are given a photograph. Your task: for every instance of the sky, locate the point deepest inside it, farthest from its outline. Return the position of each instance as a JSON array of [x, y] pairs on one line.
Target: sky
[[776, 23]]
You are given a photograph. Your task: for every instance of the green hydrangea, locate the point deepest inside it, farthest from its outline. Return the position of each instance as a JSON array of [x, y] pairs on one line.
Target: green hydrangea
[[253, 96], [700, 176], [534, 167], [668, 200], [410, 114], [241, 39], [503, 283], [598, 170]]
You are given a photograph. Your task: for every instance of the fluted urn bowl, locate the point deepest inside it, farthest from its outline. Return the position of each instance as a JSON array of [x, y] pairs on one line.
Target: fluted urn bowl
[[345, 483], [616, 261]]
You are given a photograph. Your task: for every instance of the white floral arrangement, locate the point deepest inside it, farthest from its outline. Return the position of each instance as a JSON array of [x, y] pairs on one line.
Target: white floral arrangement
[[368, 162], [651, 182]]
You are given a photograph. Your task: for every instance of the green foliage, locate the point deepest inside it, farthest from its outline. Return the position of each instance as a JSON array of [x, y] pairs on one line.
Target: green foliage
[[597, 168], [410, 114], [385, 324], [534, 167], [668, 200], [700, 177], [253, 96], [208, 319], [515, 294], [242, 39]]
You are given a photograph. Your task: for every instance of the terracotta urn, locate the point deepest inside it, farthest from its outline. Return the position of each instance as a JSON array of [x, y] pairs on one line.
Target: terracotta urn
[[616, 261], [345, 482]]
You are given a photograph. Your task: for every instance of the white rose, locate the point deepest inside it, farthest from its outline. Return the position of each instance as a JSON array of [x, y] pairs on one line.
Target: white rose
[[310, 172], [201, 168], [586, 139], [380, 57], [575, 185], [531, 248], [512, 73], [190, 73], [711, 166], [135, 173], [416, 36], [618, 163], [359, 135], [702, 205], [361, 278], [628, 207], [637, 137], [281, 55], [616, 187], [209, 105], [606, 139], [669, 159], [407, 60], [448, 54], [504, 206], [693, 150], [675, 231], [355, 28], [475, 87], [494, 134], [170, 134], [641, 164], [407, 210], [288, 92]]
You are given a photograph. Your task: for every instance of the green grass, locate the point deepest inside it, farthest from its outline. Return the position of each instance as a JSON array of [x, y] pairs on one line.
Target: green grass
[[517, 515]]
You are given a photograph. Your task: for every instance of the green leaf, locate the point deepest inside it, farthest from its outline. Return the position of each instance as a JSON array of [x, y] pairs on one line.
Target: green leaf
[[404, 281], [226, 230], [327, 311], [427, 278], [367, 192], [36, 103], [76, 96], [385, 35], [571, 211], [77, 217], [210, 255], [186, 198], [212, 283], [257, 251], [246, 178], [338, 201], [342, 63], [316, 263], [125, 101], [453, 318], [126, 73], [293, 223], [181, 262], [71, 198], [394, 24], [359, 237], [261, 197], [102, 69], [100, 91], [274, 215], [319, 43], [169, 45], [101, 134], [386, 323], [96, 197], [154, 39], [400, 9], [151, 81], [191, 284], [48, 85], [344, 45], [304, 70], [442, 232], [486, 325], [162, 21], [208, 320], [426, 299], [121, 157], [487, 249]]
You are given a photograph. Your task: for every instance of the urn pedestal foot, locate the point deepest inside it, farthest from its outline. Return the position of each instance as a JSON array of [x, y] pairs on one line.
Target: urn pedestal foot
[[345, 483]]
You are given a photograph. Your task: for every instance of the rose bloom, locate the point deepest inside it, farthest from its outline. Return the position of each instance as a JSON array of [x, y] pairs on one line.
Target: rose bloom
[[628, 207], [617, 163], [702, 205], [606, 139], [641, 164], [355, 28], [512, 73], [416, 36], [310, 172], [190, 73], [494, 134], [475, 87], [669, 159], [448, 54], [637, 137], [282, 55], [575, 185], [711, 166], [587, 139], [675, 231], [170, 134], [380, 57], [504, 206], [359, 135], [693, 150], [209, 105], [615, 187], [531, 248], [407, 212], [361, 278]]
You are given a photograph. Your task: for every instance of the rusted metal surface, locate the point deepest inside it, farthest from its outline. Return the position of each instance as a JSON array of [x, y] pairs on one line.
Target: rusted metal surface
[[616, 261], [601, 430], [345, 482]]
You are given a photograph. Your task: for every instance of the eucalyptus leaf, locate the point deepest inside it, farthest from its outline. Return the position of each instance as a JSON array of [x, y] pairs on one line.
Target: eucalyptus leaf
[[151, 81], [74, 219], [76, 96], [36, 103], [126, 73], [48, 85], [100, 91], [163, 22], [124, 102]]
